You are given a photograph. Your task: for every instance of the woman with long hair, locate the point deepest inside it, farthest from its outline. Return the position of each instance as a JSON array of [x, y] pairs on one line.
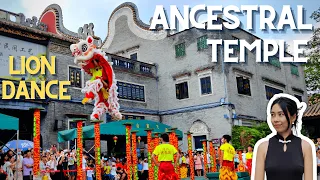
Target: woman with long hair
[[284, 156]]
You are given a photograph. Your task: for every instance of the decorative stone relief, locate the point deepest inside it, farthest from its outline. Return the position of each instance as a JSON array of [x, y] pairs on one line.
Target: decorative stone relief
[[199, 128], [87, 30], [34, 23]]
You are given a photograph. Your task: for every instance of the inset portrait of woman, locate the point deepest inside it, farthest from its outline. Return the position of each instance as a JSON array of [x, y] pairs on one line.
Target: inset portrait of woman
[[285, 154]]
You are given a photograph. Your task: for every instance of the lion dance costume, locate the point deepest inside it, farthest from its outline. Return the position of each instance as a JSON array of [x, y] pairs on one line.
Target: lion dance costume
[[227, 170], [102, 87]]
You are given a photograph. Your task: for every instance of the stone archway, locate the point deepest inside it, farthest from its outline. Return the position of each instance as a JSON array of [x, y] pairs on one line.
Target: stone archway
[[199, 130]]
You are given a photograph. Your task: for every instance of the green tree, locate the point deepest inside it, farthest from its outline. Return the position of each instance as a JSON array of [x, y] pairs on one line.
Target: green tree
[[312, 68], [243, 136]]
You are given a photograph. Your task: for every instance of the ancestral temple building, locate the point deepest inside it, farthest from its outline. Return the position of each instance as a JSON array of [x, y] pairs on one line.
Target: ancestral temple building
[[162, 75]]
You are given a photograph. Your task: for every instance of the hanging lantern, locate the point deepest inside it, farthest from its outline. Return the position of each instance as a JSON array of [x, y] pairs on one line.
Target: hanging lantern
[[139, 139], [115, 139]]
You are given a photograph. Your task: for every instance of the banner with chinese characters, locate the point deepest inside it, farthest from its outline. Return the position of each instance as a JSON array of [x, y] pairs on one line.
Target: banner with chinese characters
[[17, 48]]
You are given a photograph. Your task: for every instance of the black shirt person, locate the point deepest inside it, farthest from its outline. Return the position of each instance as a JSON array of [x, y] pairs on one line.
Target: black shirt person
[[285, 156]]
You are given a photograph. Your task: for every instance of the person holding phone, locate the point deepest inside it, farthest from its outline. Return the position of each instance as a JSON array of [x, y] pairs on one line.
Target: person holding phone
[[284, 156]]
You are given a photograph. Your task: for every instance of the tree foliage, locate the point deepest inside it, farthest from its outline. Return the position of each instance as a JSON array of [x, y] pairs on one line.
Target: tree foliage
[[312, 68], [243, 136]]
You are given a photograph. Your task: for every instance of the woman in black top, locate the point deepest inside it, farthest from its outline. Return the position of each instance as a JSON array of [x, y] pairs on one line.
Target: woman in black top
[[285, 156]]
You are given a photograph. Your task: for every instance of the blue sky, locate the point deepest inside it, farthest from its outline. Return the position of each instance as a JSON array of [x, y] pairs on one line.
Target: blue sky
[[79, 12]]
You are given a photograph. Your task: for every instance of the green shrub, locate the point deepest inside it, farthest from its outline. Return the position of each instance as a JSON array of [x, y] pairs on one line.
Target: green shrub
[[243, 136]]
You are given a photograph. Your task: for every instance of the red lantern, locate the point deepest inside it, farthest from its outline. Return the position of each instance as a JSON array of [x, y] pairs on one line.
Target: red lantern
[[115, 139], [139, 139]]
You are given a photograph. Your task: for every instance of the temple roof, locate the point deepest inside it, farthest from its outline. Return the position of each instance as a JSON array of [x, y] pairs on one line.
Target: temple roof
[[312, 111], [50, 24]]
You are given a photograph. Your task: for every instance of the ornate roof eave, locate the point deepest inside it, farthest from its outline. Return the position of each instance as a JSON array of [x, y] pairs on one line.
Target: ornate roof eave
[[59, 23], [136, 19], [23, 28]]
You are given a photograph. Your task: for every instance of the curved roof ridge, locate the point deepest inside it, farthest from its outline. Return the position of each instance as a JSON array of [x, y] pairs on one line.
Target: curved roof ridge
[[59, 21], [135, 15]]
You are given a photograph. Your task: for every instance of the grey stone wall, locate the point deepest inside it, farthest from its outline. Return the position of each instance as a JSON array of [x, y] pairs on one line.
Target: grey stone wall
[[256, 104], [162, 52], [213, 118], [150, 87]]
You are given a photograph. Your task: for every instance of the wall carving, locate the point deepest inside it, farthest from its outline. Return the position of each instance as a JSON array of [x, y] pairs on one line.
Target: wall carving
[[199, 127]]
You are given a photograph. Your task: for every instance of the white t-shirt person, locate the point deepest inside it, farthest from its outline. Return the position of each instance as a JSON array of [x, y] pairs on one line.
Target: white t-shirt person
[[113, 171], [84, 163]]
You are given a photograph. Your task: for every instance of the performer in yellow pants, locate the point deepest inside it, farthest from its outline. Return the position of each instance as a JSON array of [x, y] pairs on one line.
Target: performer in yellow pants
[[183, 167], [227, 170]]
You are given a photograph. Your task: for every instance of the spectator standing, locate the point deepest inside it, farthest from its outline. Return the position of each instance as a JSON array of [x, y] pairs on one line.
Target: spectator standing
[[27, 164]]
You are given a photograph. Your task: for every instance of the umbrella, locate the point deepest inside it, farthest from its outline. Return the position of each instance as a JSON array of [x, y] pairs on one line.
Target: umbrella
[[22, 144]]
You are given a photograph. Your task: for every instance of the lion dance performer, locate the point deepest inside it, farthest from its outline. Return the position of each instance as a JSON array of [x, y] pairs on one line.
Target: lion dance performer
[[227, 171], [102, 87], [249, 155], [165, 153]]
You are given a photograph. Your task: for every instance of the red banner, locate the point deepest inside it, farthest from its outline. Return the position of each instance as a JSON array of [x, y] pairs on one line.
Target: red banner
[[79, 150], [205, 156], [212, 157], [128, 151], [36, 142], [149, 141], [134, 155], [191, 161], [156, 143], [176, 145], [97, 149]]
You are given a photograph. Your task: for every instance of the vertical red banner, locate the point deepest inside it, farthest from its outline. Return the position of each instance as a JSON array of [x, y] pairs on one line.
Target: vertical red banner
[[176, 145], [149, 141], [212, 157], [128, 150], [171, 140], [191, 161], [205, 156], [156, 143], [79, 150], [97, 146], [152, 149], [36, 142], [214, 160], [134, 155]]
